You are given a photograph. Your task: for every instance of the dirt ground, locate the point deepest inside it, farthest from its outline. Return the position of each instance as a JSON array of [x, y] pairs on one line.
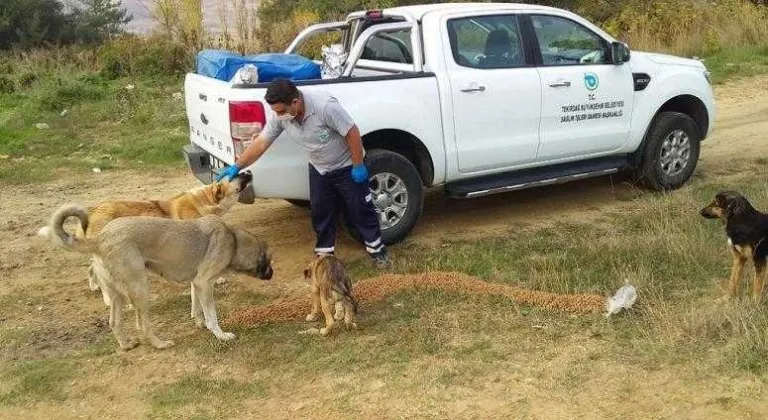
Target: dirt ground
[[50, 288]]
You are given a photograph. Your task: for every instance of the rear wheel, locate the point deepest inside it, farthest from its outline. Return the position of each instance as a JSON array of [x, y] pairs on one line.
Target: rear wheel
[[397, 194], [671, 152]]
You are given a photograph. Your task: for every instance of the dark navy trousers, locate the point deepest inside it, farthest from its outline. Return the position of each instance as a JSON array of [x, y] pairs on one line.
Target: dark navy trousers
[[336, 192]]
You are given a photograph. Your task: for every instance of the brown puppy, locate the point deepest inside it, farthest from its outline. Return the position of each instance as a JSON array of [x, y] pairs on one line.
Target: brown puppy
[[331, 287], [747, 230], [216, 198]]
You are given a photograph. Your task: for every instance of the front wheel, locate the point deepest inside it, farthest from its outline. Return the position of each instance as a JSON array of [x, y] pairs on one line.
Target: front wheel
[[397, 194], [671, 152]]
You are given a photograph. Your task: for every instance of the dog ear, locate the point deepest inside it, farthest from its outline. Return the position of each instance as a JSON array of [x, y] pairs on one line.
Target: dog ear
[[736, 205], [220, 192]]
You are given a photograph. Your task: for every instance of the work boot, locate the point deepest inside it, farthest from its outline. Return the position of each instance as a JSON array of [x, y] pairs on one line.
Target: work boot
[[381, 260]]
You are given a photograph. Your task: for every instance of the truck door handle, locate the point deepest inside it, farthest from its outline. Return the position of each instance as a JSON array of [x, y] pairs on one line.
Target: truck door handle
[[560, 83], [473, 88]]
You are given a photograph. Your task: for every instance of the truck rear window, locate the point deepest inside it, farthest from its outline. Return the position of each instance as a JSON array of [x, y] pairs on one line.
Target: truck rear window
[[393, 47]]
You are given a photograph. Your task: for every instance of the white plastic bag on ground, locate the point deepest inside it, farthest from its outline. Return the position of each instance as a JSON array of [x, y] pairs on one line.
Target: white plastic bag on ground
[[333, 61], [623, 299], [246, 75]]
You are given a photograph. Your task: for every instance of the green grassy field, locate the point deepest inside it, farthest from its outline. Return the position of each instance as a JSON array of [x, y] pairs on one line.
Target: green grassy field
[[90, 122]]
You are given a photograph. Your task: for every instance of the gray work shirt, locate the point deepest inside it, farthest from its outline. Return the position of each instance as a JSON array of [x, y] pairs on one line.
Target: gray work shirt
[[321, 133]]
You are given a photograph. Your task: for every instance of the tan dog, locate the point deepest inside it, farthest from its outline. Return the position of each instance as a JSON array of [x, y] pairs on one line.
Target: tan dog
[[186, 251], [216, 198], [331, 287]]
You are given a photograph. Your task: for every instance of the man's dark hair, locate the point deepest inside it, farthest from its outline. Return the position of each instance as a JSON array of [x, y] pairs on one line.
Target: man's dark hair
[[281, 91]]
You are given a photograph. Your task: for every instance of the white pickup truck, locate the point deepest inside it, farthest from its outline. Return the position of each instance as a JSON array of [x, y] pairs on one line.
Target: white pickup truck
[[475, 98]]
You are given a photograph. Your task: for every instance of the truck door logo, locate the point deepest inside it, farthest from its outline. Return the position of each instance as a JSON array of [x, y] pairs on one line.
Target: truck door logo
[[591, 81]]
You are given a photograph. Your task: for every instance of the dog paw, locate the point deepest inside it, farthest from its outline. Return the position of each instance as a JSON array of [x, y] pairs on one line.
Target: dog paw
[[226, 336], [163, 344], [351, 325], [220, 281], [309, 331], [200, 323], [324, 331], [724, 299], [312, 317], [129, 345]]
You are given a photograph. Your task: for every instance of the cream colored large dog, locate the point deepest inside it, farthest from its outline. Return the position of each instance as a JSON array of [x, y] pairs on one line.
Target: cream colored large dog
[[192, 251], [216, 198]]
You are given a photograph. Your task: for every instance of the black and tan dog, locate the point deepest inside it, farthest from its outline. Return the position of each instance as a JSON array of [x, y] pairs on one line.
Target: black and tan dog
[[747, 231], [331, 288]]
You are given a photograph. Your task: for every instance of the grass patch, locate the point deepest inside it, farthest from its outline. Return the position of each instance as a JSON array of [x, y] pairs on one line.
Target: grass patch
[[676, 258], [199, 397], [77, 121], [38, 380], [392, 335], [744, 61]]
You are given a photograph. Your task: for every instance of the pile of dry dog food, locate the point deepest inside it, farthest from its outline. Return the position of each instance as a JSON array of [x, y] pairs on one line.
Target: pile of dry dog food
[[378, 288]]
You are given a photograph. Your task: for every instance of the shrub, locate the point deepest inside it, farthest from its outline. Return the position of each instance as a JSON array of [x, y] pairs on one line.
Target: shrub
[[28, 79], [7, 85], [65, 92], [133, 56], [690, 27], [6, 66]]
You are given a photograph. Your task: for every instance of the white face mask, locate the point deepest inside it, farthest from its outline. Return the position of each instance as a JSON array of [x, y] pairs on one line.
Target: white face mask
[[287, 116]]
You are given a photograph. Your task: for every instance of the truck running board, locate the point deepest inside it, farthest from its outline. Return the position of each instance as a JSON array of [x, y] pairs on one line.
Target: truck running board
[[536, 177]]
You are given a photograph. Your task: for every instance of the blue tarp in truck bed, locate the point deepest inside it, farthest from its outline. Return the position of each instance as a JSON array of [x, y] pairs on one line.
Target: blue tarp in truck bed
[[223, 65]]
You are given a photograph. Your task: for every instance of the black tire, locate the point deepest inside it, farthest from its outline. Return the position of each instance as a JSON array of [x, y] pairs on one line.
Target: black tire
[[651, 171], [298, 203], [381, 161]]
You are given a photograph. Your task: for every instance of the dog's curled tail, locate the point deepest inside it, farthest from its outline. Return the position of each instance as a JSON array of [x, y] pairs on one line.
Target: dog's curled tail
[[55, 229]]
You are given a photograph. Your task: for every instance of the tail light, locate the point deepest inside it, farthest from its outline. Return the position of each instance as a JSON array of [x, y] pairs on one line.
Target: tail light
[[246, 119]]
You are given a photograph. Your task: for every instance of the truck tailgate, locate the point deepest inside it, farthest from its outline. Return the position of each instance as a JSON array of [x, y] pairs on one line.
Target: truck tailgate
[[208, 115]]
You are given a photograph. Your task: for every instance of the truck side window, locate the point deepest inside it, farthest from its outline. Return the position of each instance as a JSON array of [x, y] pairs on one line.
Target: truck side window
[[565, 42], [486, 42], [394, 47]]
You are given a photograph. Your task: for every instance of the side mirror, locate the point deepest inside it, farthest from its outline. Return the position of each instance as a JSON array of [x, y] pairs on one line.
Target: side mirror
[[619, 52]]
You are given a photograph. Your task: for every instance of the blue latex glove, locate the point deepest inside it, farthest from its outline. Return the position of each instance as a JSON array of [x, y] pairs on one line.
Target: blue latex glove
[[360, 173], [229, 172]]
